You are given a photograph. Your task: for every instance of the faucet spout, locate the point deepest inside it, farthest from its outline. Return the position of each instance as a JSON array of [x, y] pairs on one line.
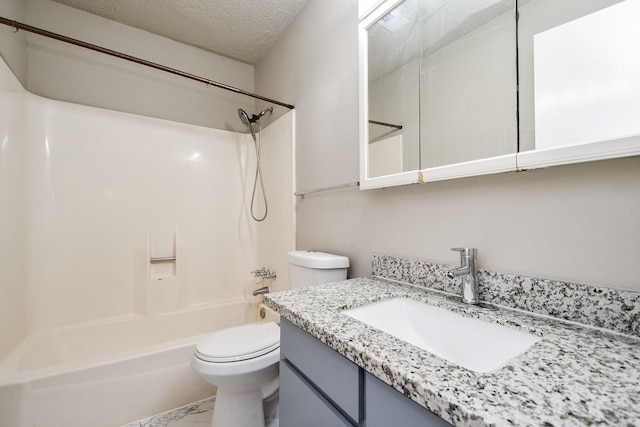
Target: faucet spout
[[462, 271], [468, 272], [261, 291]]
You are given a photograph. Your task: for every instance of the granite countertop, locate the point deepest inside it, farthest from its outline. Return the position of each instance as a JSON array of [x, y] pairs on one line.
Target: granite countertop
[[574, 376]]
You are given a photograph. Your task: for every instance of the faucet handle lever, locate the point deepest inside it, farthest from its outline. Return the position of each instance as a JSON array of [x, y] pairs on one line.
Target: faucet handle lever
[[472, 252]]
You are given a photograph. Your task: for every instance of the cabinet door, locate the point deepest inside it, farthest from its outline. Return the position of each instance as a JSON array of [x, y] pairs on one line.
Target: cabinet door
[[385, 406], [325, 368], [301, 405]]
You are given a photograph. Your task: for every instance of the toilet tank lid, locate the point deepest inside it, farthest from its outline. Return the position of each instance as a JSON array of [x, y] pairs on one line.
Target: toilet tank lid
[[322, 260]]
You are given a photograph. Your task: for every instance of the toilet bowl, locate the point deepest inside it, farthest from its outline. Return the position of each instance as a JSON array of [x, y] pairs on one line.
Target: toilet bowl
[[242, 362]]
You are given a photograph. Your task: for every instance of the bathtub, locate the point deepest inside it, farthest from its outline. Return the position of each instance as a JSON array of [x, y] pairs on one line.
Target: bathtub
[[112, 372]]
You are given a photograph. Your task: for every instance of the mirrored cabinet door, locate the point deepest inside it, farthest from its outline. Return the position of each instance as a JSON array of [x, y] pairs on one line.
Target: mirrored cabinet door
[[390, 57], [456, 88], [438, 83], [393, 64], [579, 64], [468, 81]]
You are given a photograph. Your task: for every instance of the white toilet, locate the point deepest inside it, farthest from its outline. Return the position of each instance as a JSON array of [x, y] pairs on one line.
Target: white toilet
[[242, 362]]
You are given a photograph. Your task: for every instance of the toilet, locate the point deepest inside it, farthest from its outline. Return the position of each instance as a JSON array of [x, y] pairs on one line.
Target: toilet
[[242, 361]]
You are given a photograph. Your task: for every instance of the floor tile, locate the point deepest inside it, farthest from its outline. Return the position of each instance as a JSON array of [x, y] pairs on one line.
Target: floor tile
[[192, 415]]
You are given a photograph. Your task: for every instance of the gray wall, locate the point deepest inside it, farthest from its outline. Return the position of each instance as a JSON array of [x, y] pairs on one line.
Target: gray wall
[[13, 46], [576, 223]]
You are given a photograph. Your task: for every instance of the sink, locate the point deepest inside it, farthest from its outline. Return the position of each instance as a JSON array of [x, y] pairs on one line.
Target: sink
[[474, 344]]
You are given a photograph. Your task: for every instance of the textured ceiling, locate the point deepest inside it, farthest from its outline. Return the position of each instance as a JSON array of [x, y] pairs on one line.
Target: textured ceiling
[[240, 29]]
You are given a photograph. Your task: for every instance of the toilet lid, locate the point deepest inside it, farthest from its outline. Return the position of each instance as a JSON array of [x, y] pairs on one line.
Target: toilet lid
[[239, 343]]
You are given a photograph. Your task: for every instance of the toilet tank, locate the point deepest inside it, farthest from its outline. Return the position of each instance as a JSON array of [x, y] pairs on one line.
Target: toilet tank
[[309, 268]]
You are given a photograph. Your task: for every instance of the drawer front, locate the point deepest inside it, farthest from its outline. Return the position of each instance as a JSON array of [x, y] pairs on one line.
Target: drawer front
[[301, 405], [385, 406], [333, 374]]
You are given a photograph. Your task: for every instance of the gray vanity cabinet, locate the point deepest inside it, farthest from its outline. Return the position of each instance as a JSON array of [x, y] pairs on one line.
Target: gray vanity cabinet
[[387, 407], [320, 387], [317, 382], [302, 405]]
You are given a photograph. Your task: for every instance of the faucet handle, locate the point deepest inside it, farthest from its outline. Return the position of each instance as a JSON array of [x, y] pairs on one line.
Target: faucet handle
[[466, 251], [259, 273]]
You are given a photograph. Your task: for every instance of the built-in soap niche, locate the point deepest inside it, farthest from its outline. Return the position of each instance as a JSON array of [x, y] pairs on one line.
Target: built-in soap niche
[[162, 267], [165, 290]]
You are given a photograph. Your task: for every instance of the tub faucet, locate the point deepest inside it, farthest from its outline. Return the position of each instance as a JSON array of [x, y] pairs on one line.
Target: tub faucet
[[469, 274], [261, 291]]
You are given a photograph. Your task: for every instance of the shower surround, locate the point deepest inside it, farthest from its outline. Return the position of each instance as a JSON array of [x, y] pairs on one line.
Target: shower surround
[[91, 199]]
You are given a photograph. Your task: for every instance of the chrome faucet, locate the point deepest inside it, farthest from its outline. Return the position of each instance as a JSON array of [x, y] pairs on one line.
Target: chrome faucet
[[469, 274], [260, 275], [263, 273], [263, 290]]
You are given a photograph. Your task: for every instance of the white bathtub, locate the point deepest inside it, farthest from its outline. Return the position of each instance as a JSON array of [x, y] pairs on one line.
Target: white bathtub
[[113, 372]]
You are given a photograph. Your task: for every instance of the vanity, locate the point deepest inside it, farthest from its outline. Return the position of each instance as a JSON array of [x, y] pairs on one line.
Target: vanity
[[320, 387], [340, 371]]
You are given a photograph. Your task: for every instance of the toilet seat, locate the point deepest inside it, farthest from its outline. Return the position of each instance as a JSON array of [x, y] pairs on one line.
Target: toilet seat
[[239, 343]]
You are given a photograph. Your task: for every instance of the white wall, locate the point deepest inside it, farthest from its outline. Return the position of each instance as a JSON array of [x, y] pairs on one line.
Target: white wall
[[88, 194], [102, 186], [576, 223], [276, 234], [95, 193], [60, 71], [12, 211]]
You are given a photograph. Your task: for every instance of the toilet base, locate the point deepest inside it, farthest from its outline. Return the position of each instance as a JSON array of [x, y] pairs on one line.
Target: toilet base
[[271, 406], [247, 409]]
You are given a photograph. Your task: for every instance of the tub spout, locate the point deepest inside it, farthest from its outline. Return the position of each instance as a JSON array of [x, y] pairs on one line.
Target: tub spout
[[261, 291]]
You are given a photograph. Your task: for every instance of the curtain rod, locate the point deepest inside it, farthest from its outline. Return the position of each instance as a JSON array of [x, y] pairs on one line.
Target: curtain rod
[[391, 125], [20, 26]]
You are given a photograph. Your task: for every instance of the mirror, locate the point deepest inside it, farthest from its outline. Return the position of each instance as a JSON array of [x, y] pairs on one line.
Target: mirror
[[393, 56], [454, 88], [579, 80], [468, 81], [440, 90]]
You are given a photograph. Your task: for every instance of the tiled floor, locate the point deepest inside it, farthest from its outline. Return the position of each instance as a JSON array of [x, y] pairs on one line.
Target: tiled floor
[[192, 415]]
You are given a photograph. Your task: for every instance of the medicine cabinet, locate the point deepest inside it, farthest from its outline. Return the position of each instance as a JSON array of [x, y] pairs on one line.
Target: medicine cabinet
[[455, 88]]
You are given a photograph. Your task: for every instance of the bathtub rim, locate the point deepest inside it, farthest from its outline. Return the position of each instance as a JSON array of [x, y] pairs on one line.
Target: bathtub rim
[[10, 375]]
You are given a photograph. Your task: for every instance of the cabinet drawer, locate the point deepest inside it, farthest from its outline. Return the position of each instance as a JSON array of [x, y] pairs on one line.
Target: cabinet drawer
[[333, 374], [301, 405]]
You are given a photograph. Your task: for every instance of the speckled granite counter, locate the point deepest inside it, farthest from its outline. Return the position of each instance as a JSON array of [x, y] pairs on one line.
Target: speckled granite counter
[[574, 376]]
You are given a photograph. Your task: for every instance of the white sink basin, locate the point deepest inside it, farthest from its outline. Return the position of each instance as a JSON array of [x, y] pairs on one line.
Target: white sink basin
[[474, 344]]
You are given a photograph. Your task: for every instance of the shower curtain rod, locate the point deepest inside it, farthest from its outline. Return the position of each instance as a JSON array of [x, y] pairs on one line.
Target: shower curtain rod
[[20, 26], [391, 125]]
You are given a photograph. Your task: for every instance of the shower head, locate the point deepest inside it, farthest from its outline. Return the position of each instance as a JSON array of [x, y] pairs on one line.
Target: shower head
[[246, 120], [249, 121], [244, 117]]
